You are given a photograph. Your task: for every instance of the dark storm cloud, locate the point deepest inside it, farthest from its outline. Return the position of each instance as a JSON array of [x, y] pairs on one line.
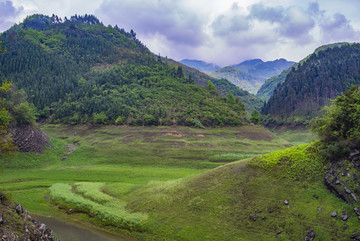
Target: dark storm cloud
[[167, 18], [7, 14]]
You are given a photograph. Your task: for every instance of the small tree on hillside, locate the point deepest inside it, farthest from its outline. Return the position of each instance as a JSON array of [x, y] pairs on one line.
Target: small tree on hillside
[[255, 117]]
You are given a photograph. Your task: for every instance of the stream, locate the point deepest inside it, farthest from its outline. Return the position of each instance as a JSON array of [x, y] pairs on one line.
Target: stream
[[77, 232]]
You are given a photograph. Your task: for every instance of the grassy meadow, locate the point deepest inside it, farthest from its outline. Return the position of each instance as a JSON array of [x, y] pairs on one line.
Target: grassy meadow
[[176, 183]]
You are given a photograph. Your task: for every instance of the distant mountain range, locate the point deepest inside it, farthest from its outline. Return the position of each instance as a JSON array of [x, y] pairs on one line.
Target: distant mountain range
[[251, 74], [304, 89], [200, 65]]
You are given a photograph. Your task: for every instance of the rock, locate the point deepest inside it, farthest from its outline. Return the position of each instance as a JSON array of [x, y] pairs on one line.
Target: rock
[[349, 175], [64, 157], [254, 218], [319, 209], [310, 235], [347, 190], [264, 218], [2, 221], [355, 235], [19, 209], [347, 169], [286, 202], [271, 210], [344, 217], [342, 174], [337, 182], [29, 138], [354, 153], [354, 197], [357, 211], [334, 214]]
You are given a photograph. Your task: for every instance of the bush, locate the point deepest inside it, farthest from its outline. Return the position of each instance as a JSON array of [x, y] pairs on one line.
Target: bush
[[150, 120], [25, 113], [339, 128], [100, 118], [120, 120]]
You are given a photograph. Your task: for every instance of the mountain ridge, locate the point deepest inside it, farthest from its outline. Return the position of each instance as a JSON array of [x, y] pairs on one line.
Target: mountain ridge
[[251, 74], [311, 83], [79, 71]]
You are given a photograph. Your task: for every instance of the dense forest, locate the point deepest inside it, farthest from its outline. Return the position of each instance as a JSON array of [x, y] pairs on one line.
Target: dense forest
[[313, 83], [79, 71]]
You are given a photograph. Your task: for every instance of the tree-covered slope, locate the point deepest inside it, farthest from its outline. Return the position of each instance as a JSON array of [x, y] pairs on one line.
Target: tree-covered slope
[[251, 74], [267, 89], [314, 81], [79, 71]]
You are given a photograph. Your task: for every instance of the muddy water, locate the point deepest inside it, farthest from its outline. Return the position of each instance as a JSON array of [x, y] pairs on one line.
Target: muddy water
[[76, 232]]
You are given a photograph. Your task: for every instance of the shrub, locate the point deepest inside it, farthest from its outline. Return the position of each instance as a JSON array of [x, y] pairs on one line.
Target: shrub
[[100, 118], [150, 120]]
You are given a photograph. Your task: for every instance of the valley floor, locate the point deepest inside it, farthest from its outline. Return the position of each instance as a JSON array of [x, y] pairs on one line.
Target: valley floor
[[171, 183]]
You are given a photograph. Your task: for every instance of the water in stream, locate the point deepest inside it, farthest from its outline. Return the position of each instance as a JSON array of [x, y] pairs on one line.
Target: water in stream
[[73, 232]]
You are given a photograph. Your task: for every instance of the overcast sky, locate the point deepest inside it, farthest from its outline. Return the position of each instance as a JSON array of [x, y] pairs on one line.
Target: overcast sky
[[218, 31]]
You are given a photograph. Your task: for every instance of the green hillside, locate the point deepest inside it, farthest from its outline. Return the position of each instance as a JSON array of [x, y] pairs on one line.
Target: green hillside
[[267, 89], [311, 84], [80, 71]]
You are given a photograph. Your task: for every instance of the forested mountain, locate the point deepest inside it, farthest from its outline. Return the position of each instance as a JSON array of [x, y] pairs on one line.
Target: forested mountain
[[267, 89], [251, 74], [200, 65], [79, 71], [311, 84]]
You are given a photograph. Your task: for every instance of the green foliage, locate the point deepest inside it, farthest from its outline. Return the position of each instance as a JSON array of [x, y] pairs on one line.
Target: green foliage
[[341, 121], [85, 72], [194, 123], [100, 118], [150, 120], [24, 113], [255, 117], [339, 127], [309, 85], [120, 121]]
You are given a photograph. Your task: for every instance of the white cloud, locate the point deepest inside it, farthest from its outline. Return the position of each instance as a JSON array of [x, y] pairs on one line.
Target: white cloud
[[224, 32]]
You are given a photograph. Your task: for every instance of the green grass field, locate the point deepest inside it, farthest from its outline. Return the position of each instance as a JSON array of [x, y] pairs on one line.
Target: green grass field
[[177, 183]]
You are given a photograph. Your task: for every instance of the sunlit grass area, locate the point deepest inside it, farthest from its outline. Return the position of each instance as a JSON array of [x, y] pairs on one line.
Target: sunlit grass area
[[143, 179]]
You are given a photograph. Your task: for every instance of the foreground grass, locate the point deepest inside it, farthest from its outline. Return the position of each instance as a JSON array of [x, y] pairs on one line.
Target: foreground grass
[[116, 162], [245, 201], [170, 183]]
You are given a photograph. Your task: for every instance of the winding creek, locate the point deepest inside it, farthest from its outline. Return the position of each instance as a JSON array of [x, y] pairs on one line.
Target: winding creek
[[78, 232]]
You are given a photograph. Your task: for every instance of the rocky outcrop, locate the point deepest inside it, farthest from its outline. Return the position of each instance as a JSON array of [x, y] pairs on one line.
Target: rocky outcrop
[[342, 180], [16, 224], [29, 138]]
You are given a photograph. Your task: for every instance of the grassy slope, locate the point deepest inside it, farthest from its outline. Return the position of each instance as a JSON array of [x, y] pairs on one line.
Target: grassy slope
[[126, 159], [245, 202], [161, 177]]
